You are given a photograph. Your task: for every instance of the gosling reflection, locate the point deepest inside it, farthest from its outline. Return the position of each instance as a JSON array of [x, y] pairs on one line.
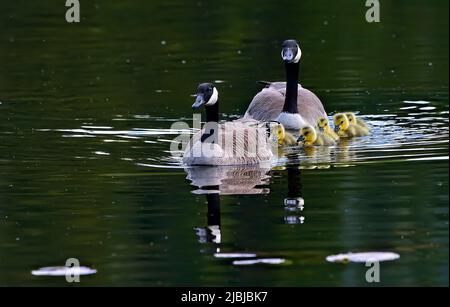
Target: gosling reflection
[[344, 154], [317, 157], [309, 157]]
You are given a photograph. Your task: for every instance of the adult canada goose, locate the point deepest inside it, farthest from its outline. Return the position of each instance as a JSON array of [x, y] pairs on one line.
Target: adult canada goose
[[230, 143], [287, 102]]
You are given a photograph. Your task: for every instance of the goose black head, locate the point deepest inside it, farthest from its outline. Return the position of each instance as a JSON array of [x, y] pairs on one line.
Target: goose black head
[[207, 95], [291, 52]]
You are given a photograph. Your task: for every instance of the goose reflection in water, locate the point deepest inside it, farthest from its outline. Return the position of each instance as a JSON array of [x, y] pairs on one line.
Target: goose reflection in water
[[213, 182], [294, 203], [211, 233], [230, 180], [224, 180]]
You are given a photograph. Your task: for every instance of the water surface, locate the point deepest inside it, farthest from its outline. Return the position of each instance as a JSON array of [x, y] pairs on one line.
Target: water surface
[[85, 131]]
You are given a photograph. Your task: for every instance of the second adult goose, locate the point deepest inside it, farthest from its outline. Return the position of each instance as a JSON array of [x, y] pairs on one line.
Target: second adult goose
[[230, 143], [287, 102]]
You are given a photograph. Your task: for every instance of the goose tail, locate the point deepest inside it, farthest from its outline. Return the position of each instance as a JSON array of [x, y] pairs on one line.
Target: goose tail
[[265, 83]]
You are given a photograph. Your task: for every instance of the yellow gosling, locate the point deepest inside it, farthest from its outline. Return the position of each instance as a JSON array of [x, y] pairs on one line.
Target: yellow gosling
[[345, 129], [324, 126], [357, 121], [284, 138], [309, 137]]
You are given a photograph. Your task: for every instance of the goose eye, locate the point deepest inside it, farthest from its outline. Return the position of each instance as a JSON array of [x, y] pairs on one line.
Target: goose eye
[[342, 122]]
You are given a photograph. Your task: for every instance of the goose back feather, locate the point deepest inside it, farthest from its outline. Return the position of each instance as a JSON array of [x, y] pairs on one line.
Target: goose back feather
[[237, 143], [269, 102]]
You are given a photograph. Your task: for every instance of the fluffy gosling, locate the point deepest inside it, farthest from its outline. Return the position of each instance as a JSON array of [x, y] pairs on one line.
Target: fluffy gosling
[[345, 129], [357, 121], [284, 138], [324, 126], [309, 137]]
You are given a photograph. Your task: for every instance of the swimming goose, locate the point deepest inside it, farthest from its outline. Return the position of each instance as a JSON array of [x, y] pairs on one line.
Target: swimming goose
[[309, 137], [287, 102], [347, 130], [324, 126], [356, 121], [230, 143]]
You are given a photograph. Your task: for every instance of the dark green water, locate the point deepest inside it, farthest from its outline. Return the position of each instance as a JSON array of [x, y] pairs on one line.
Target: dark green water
[[85, 167]]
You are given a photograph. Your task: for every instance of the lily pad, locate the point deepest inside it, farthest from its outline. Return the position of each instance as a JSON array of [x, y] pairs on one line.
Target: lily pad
[[260, 261], [63, 271], [363, 257], [234, 255]]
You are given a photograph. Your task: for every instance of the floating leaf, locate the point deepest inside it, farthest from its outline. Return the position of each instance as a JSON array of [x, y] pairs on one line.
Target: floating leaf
[[416, 102], [63, 271], [363, 257], [234, 255], [259, 261]]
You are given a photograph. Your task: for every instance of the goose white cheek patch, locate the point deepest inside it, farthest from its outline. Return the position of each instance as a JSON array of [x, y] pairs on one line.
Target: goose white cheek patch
[[298, 56], [214, 98]]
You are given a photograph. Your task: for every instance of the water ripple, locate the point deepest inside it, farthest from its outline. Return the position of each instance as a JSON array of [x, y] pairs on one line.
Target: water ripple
[[405, 136]]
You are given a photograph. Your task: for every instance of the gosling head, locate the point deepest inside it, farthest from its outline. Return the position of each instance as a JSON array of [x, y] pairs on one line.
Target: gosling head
[[351, 118], [341, 122], [322, 123], [207, 95], [280, 132], [291, 52], [308, 135]]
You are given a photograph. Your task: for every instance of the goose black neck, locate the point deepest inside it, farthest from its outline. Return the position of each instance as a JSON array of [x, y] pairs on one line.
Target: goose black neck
[[213, 209], [212, 120], [294, 182], [212, 113], [290, 102]]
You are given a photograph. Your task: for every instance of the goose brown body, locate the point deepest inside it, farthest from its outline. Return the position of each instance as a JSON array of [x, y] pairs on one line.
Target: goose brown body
[[268, 104], [236, 144]]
